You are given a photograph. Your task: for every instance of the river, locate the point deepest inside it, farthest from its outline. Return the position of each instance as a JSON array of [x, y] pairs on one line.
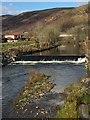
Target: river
[[62, 73], [14, 77]]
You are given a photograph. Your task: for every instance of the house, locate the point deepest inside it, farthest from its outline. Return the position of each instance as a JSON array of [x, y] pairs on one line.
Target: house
[[13, 37], [67, 38]]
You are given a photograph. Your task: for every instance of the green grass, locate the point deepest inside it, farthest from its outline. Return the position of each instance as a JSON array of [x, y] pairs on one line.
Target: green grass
[[6, 46], [68, 111], [75, 93], [85, 99]]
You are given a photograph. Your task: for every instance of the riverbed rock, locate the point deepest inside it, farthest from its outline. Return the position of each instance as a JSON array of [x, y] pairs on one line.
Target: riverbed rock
[[86, 81], [84, 111], [37, 85]]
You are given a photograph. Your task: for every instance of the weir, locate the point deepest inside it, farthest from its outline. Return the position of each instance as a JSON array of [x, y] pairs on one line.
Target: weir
[[49, 57]]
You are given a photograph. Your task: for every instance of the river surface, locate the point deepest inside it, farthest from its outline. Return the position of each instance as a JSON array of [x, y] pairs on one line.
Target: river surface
[[14, 77], [62, 49], [62, 73]]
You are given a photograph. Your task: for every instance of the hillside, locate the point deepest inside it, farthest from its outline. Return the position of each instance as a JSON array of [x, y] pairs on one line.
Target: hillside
[[66, 19]]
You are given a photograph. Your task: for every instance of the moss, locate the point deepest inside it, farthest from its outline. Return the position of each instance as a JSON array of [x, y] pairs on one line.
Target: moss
[[85, 99]]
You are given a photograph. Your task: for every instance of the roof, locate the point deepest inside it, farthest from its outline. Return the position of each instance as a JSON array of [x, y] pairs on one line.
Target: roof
[[15, 33]]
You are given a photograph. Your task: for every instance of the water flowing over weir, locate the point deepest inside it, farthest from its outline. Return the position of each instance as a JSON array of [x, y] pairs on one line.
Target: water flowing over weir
[[32, 59], [28, 57]]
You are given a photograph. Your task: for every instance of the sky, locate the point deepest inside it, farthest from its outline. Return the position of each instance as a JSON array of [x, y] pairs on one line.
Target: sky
[[19, 7]]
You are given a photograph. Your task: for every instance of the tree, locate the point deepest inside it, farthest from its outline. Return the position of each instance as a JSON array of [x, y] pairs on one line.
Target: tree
[[51, 33], [37, 33], [48, 34]]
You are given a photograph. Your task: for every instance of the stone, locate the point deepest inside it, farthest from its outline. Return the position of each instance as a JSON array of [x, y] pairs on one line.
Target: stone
[[37, 107], [84, 111]]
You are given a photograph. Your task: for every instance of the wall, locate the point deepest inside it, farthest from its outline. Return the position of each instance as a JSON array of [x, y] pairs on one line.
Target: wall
[[11, 36]]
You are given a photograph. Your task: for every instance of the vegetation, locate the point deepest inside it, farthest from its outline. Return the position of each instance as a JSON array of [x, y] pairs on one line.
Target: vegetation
[[68, 111], [77, 94], [46, 25], [10, 45], [65, 17], [85, 99], [51, 34], [37, 85]]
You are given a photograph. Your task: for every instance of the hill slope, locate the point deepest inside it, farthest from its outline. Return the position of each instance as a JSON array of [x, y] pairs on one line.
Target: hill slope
[[65, 18]]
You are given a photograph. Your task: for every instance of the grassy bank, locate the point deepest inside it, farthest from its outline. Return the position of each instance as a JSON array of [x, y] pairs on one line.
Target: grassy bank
[[6, 46], [78, 94]]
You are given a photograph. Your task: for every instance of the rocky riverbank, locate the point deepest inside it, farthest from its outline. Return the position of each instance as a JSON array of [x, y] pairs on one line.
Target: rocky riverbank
[[77, 102]]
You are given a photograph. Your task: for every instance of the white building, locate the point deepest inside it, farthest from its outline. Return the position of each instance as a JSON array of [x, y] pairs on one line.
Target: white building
[[12, 37], [65, 35]]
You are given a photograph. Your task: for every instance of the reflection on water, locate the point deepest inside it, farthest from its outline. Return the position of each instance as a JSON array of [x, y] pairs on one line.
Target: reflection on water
[[63, 49]]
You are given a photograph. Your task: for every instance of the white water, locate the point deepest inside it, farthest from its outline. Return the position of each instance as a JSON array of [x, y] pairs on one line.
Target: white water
[[80, 60]]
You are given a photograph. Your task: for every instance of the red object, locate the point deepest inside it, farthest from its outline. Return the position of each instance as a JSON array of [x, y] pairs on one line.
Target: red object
[[15, 33], [9, 38]]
